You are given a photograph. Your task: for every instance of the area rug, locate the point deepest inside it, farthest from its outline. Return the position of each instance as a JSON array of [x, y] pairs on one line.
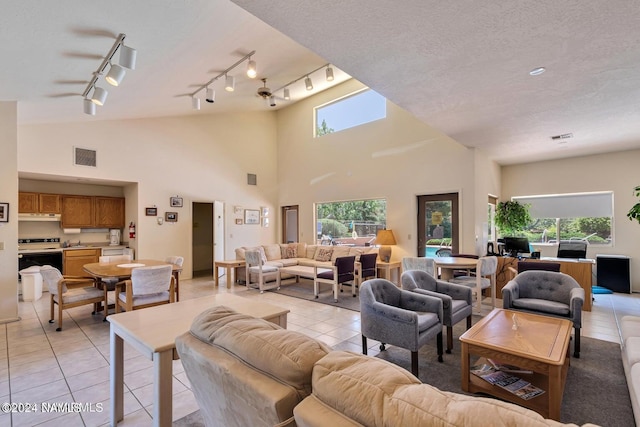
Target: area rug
[[595, 392], [304, 290]]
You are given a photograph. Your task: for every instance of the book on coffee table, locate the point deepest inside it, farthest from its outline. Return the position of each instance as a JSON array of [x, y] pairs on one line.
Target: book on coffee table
[[513, 384]]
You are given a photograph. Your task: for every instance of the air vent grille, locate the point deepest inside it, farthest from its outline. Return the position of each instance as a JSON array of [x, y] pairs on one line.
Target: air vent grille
[[84, 157], [252, 179], [563, 136]]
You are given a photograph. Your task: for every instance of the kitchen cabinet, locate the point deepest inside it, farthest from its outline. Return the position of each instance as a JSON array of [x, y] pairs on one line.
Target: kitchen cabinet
[[39, 203], [92, 212], [74, 259]]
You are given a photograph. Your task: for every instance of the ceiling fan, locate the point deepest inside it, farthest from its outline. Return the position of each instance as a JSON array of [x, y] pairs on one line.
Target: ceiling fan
[[264, 91]]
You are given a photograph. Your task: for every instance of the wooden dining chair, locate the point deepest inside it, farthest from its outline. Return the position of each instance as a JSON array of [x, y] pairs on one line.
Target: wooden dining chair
[[148, 287]]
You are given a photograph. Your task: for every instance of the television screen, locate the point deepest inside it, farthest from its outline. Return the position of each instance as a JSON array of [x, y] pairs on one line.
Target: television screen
[[516, 245]]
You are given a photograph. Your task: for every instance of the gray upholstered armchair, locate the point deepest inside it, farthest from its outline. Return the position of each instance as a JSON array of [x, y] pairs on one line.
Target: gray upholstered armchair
[[457, 300], [401, 318], [548, 293]]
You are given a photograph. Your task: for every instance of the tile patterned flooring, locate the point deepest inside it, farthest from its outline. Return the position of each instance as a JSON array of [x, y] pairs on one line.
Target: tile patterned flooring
[[38, 364]]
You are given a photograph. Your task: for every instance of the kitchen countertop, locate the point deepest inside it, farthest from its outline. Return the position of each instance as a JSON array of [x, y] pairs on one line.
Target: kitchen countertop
[[71, 248]]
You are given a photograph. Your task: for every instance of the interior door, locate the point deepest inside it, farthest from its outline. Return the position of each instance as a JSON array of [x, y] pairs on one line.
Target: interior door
[[218, 232], [202, 239], [438, 221], [290, 229]]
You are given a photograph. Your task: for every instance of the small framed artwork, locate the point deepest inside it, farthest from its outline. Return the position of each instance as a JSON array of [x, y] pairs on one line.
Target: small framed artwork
[[252, 216], [151, 211], [171, 216], [265, 222], [4, 212], [265, 211], [176, 202], [238, 221]]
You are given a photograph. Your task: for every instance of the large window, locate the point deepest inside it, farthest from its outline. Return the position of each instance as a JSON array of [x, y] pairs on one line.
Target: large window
[[577, 216], [353, 223], [350, 111]]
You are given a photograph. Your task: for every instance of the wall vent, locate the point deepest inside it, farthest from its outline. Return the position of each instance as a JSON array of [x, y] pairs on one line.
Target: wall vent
[[252, 179], [84, 157]]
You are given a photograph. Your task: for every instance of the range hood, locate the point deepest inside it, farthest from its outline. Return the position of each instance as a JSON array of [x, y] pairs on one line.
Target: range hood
[[38, 217]]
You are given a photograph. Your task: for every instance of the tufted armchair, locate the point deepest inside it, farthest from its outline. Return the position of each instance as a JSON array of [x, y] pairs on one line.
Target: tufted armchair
[[456, 299], [398, 317], [547, 293]]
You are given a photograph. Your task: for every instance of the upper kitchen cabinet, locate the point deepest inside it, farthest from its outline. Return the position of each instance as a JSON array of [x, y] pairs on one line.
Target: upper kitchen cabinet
[[39, 203], [77, 212], [108, 212]]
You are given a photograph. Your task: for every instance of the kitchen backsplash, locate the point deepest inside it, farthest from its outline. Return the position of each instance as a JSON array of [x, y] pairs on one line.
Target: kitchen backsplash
[[34, 230]]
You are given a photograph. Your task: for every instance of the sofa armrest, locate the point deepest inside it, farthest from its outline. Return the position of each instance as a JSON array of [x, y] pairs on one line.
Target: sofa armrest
[[312, 412], [510, 292]]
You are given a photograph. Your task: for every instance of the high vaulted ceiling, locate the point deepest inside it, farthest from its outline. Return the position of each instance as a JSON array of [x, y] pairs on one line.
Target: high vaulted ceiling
[[461, 67]]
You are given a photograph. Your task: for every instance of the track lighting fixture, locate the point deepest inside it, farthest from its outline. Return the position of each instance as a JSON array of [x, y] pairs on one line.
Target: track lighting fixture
[[211, 96], [195, 103], [113, 77], [252, 72], [229, 83], [287, 96], [329, 74], [272, 101], [99, 96], [308, 84], [89, 107]]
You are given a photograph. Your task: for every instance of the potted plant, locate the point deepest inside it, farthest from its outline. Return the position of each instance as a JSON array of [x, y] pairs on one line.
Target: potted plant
[[512, 217], [634, 212]]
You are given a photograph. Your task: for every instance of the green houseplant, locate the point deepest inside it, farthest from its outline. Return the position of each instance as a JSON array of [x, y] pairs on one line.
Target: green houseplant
[[512, 217], [634, 212]]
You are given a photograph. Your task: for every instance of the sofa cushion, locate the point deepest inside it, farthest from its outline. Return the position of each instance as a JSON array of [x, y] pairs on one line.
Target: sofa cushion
[[289, 250], [632, 350], [283, 354], [272, 251], [629, 327], [339, 251], [310, 252], [323, 254]]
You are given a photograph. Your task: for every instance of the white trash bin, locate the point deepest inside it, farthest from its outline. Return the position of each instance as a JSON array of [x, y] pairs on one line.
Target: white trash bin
[[31, 283]]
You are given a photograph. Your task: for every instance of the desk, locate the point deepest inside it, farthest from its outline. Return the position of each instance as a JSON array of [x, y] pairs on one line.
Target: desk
[[579, 269], [229, 265], [386, 268], [448, 264], [153, 331]]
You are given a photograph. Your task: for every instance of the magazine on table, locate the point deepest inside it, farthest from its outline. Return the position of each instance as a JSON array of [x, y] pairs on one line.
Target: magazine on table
[[486, 370]]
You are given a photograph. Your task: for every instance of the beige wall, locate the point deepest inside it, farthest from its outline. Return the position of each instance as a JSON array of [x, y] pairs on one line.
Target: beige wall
[[617, 172], [397, 159], [9, 194], [200, 158]]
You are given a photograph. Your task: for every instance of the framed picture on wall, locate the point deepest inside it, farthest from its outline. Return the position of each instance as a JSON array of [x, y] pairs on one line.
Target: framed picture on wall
[[4, 212], [151, 211], [171, 216], [252, 216], [176, 202], [238, 221]]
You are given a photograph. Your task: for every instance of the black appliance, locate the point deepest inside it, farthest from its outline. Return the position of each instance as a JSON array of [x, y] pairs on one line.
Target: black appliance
[[613, 273], [39, 252]]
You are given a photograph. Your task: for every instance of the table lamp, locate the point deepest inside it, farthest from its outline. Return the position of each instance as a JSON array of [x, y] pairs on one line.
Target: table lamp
[[384, 239]]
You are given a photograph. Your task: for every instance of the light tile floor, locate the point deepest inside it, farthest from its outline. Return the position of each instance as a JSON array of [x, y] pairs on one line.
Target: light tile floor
[[38, 364]]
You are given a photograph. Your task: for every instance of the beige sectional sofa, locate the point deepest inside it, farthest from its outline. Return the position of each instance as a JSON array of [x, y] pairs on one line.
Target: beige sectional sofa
[[246, 371], [293, 254], [630, 329]]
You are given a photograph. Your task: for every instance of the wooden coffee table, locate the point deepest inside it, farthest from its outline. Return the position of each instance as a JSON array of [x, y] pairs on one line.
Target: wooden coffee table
[[539, 344]]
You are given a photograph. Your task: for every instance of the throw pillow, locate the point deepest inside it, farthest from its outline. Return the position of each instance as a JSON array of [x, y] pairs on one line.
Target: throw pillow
[[323, 254], [291, 251]]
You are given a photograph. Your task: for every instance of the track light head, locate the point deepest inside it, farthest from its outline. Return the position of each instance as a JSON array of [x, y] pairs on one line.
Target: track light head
[[99, 96], [230, 83], [272, 101], [308, 84], [115, 75], [329, 73], [195, 103], [287, 96], [211, 96], [252, 72], [128, 57], [89, 107]]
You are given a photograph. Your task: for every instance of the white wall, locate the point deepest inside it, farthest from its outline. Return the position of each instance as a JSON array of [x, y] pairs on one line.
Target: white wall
[[9, 194], [201, 158], [397, 158], [617, 172]]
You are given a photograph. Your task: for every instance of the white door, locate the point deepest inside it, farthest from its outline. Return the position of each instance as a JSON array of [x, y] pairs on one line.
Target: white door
[[218, 233]]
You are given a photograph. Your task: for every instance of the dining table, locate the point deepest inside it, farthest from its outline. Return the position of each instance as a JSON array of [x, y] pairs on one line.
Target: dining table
[[448, 264]]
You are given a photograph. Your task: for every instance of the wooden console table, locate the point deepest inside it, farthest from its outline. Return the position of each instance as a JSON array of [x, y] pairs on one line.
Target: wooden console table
[[579, 269]]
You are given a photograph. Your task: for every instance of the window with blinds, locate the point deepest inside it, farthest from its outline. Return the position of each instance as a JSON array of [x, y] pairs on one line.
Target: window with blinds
[[574, 216]]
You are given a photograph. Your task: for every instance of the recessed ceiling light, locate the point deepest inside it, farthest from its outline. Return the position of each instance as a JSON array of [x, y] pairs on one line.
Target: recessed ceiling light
[[537, 71]]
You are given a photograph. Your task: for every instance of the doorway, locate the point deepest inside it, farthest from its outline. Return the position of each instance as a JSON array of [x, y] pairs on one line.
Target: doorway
[[437, 223], [290, 229], [207, 236]]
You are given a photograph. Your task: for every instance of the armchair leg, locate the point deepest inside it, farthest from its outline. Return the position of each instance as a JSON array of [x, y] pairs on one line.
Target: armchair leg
[[414, 362], [439, 343], [364, 345], [576, 345], [468, 322], [449, 339]]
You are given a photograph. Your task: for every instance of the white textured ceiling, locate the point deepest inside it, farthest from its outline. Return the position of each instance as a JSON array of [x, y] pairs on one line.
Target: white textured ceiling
[[463, 67]]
